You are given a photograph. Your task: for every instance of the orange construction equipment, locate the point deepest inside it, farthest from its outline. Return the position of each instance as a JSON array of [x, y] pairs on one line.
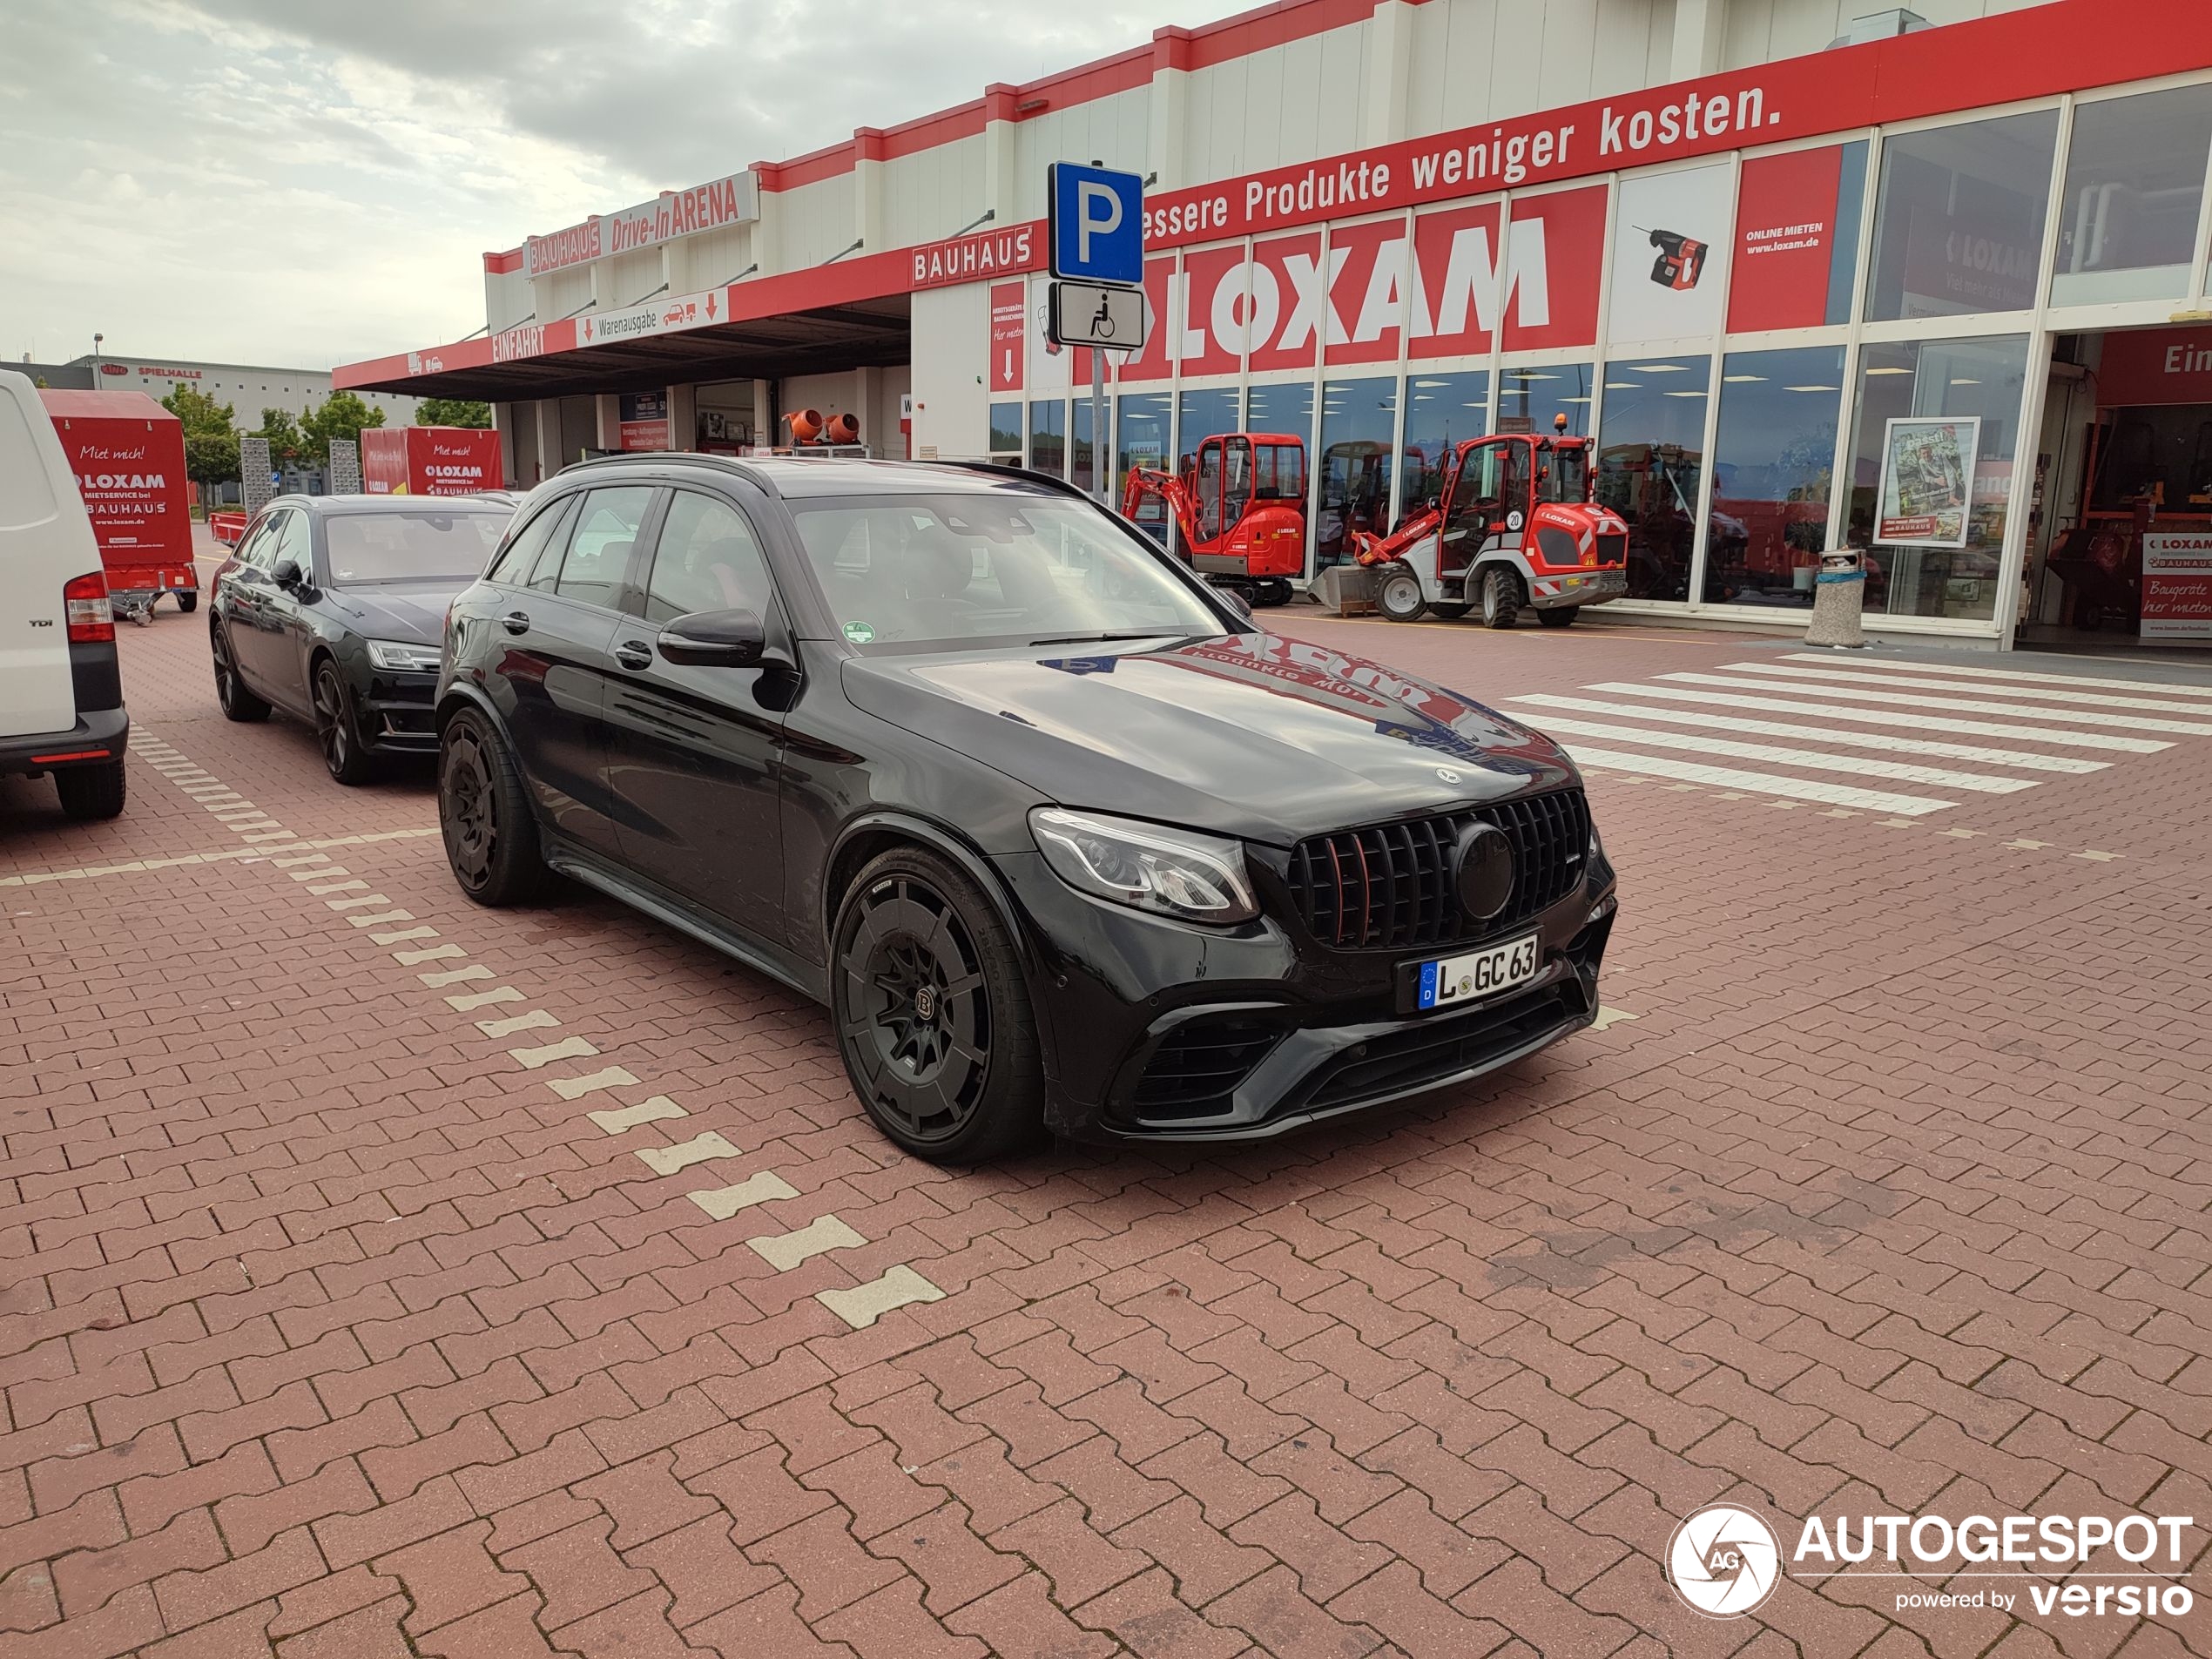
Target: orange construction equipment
[[842, 428], [1239, 509], [1516, 524], [805, 425]]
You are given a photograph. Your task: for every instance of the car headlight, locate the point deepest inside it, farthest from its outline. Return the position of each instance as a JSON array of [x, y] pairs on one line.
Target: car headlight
[[400, 654], [1147, 867]]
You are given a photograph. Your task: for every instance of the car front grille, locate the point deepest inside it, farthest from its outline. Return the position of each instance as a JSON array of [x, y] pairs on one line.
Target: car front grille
[[1197, 1066], [1390, 886], [1613, 548], [1433, 1051]]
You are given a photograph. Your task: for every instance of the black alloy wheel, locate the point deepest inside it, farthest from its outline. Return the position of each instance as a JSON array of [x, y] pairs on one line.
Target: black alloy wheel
[[335, 734], [490, 838], [237, 703], [931, 1016]]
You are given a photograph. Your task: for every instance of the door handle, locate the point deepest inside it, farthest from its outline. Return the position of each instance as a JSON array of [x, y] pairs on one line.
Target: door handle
[[634, 653], [516, 622]]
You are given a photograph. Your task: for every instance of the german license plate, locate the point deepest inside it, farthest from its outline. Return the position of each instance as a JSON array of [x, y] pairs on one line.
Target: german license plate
[[1478, 973]]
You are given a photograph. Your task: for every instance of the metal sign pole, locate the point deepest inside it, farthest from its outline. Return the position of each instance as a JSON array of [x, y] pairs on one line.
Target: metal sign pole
[[1101, 473]]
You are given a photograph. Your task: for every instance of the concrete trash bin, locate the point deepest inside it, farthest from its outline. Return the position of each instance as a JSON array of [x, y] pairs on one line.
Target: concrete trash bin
[[1838, 597]]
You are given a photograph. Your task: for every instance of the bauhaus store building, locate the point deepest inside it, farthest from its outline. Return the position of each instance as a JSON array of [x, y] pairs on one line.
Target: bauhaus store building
[[1935, 287]]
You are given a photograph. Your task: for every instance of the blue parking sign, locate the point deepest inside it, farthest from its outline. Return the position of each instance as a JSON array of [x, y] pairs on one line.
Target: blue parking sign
[[1097, 224]]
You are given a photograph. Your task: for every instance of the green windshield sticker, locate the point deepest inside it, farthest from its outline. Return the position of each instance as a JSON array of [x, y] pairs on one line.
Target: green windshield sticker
[[859, 632]]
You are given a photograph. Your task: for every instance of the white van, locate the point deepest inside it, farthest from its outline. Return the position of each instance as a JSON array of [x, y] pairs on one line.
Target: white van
[[61, 687]]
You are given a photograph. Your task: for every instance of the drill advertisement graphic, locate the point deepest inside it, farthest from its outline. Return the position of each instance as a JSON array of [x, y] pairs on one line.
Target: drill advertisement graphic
[[1681, 261]]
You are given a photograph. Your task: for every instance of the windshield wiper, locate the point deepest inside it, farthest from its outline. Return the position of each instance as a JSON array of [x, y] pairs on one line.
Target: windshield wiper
[[1089, 639]]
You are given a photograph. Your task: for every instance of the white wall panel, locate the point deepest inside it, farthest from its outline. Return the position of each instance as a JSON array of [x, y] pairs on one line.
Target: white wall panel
[[813, 221], [1565, 71], [933, 192], [951, 342], [709, 258], [1114, 129]]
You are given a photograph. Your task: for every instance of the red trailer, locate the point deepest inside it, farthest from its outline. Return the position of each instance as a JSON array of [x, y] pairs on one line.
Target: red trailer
[[430, 460], [128, 453]]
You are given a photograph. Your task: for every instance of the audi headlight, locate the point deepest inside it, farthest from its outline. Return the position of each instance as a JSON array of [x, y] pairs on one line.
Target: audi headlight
[[400, 654], [1147, 867]]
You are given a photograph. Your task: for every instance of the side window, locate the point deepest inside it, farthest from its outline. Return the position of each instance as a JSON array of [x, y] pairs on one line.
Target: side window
[[708, 559], [513, 561], [599, 554], [295, 541], [254, 550], [1208, 490]]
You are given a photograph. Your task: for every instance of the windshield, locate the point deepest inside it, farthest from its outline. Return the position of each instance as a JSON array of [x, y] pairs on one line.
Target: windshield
[[365, 549], [1568, 473], [956, 570]]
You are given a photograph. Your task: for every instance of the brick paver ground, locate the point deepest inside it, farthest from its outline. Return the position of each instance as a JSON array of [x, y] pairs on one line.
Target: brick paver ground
[[332, 1321]]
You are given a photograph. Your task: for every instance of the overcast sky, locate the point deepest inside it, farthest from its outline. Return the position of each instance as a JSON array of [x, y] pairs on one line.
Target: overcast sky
[[298, 183]]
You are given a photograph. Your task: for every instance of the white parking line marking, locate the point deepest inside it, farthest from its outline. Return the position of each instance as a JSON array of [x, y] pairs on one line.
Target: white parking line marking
[[395, 938], [576, 1088], [658, 1110], [2021, 758], [456, 975], [567, 1048], [435, 954], [1901, 772], [2172, 688], [667, 1160], [784, 1251], [2044, 691], [1763, 783], [2026, 718], [472, 1000], [333, 886], [863, 1304], [722, 1203], [379, 920], [365, 898], [1609, 1016], [536, 1020], [1881, 717]]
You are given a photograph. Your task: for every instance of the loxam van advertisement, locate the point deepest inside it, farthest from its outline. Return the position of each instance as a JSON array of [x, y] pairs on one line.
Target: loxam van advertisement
[[128, 455]]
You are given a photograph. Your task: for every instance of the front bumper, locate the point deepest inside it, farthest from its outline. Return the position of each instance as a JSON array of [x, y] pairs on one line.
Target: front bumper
[[1577, 588], [98, 739], [395, 711], [1156, 1031]]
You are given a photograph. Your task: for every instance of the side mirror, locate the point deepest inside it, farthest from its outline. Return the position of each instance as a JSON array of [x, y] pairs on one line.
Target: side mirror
[[714, 639], [287, 574], [1237, 602]]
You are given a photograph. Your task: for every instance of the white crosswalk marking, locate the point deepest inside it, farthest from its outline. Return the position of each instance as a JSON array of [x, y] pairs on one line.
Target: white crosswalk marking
[[2164, 688], [2027, 715], [1688, 727], [2034, 693]]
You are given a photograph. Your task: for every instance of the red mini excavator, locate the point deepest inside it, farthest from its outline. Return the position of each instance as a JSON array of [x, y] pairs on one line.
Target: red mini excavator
[[1516, 523], [1240, 508]]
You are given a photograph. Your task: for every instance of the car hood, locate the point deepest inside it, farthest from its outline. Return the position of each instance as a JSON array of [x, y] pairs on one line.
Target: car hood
[[1256, 736], [414, 611]]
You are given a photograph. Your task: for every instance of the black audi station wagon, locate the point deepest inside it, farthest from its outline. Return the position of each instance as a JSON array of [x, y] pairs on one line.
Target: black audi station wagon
[[1062, 838]]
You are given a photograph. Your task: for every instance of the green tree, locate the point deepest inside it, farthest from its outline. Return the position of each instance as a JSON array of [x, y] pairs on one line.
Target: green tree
[[452, 411], [342, 416], [200, 412], [287, 445]]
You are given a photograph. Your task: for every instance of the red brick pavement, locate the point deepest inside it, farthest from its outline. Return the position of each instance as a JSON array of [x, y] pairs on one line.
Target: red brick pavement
[[327, 1327]]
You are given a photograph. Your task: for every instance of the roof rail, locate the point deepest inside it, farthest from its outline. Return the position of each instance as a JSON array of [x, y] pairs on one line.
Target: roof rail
[[1030, 475], [681, 457]]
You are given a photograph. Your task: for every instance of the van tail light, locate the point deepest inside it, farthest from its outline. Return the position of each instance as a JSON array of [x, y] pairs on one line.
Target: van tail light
[[90, 620]]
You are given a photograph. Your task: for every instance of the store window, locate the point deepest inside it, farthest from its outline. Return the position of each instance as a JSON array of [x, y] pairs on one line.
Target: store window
[[1140, 432], [1201, 415], [1006, 432], [1281, 406], [1650, 459], [1049, 437], [1359, 424], [1530, 398], [1959, 226], [1774, 461], [1932, 450], [1441, 411], [1080, 450], [2134, 177]]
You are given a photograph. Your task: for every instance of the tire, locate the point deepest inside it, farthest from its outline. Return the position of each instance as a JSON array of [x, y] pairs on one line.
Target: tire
[[187, 600], [237, 703], [1275, 591], [931, 1014], [91, 792], [1500, 597], [1451, 611], [484, 816], [1560, 615], [1398, 594], [337, 733]]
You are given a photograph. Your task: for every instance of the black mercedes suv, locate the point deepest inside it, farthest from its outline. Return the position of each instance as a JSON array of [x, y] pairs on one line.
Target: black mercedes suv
[[1064, 839]]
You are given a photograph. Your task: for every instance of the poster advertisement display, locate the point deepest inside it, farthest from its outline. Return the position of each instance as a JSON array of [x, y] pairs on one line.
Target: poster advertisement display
[[1006, 302], [1555, 248], [644, 420], [2177, 585], [1671, 235], [1796, 229], [1927, 481]]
